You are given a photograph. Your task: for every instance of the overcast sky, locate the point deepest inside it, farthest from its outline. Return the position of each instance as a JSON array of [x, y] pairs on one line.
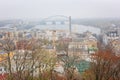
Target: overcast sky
[[12, 9]]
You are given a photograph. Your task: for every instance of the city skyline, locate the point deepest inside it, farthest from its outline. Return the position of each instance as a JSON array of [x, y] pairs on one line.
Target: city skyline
[[35, 9]]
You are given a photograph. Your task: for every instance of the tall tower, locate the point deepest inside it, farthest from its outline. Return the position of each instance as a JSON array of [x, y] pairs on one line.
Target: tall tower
[[70, 25]]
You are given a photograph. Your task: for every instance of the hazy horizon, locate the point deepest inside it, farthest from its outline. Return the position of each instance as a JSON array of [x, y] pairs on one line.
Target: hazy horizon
[[36, 9]]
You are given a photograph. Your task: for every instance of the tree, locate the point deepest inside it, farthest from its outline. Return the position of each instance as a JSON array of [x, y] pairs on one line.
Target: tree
[[71, 71], [27, 60], [62, 46], [8, 46], [105, 65]]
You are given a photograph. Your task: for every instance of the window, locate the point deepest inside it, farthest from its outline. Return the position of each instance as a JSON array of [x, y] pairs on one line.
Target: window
[[0, 69], [5, 69]]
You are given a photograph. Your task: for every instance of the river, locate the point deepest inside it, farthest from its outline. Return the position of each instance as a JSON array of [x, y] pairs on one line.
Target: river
[[75, 28]]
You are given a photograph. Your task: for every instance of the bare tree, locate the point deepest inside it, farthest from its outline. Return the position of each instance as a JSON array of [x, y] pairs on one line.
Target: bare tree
[[8, 46]]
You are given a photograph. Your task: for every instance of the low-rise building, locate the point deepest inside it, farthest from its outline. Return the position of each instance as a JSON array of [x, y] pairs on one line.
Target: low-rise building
[[86, 44], [115, 45]]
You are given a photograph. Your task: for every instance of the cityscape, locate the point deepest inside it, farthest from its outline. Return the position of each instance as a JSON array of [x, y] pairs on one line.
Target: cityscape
[[59, 47]]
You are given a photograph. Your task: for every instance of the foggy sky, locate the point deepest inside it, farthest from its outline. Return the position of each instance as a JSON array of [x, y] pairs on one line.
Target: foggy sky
[[14, 9]]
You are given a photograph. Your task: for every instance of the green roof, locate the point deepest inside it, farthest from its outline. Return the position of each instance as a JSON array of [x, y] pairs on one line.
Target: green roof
[[92, 49], [81, 65]]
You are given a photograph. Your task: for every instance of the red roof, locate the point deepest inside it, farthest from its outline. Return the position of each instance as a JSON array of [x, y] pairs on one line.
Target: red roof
[[3, 76]]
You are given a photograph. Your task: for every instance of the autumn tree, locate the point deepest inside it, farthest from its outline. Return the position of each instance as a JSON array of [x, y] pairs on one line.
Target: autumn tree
[[104, 65]]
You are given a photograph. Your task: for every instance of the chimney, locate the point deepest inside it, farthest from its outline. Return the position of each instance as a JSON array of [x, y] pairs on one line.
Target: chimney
[[70, 25]]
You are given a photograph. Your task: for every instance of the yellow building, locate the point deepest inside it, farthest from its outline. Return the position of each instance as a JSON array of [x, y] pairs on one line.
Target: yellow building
[[83, 46], [115, 44], [3, 56]]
